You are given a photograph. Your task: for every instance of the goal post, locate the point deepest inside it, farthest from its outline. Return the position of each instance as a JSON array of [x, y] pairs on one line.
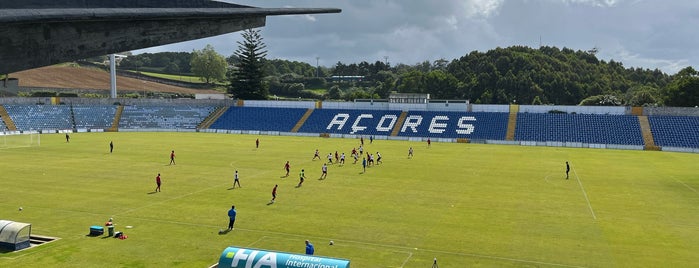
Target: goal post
[[16, 139]]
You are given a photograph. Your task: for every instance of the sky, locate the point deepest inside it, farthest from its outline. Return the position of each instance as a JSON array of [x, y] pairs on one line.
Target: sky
[[650, 34]]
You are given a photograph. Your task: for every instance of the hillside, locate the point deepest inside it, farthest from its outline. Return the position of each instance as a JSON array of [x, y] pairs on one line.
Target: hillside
[[63, 76]]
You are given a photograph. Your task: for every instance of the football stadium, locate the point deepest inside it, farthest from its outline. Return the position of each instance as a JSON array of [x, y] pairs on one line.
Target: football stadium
[[485, 186], [371, 181]]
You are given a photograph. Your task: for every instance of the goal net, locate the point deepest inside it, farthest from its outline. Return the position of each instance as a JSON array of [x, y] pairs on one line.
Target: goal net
[[16, 140]]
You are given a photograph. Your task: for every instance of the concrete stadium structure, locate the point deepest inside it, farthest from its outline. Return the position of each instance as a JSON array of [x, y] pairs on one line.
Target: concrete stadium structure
[[632, 128], [35, 33]]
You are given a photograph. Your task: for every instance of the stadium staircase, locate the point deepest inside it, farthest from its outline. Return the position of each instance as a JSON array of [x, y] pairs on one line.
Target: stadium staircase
[[648, 141], [72, 117], [399, 124], [209, 120], [512, 122], [7, 119], [117, 117], [302, 121]]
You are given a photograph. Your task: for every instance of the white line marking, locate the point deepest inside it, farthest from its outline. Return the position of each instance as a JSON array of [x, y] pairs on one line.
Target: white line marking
[[585, 194], [406, 259], [258, 240], [685, 185]]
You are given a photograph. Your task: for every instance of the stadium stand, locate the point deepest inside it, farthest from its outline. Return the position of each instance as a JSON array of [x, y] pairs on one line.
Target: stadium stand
[[3, 127], [163, 117], [259, 118], [584, 128], [675, 131], [344, 121], [40, 117], [93, 116], [470, 125]]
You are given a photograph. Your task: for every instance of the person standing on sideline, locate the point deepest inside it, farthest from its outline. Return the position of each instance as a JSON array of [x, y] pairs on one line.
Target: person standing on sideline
[[302, 177], [287, 167], [172, 157], [111, 147], [236, 180], [371, 139], [309, 248], [429, 142], [257, 143], [274, 193], [325, 172], [67, 137], [231, 217], [361, 140], [157, 182], [410, 152], [567, 169]]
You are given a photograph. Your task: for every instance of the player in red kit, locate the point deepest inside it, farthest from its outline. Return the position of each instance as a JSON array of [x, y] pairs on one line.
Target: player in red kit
[[274, 194], [157, 182], [287, 167]]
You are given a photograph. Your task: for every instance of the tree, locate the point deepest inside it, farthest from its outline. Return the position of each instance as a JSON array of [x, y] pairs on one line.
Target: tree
[[172, 68], [246, 82], [683, 91], [335, 93], [208, 64], [601, 100]]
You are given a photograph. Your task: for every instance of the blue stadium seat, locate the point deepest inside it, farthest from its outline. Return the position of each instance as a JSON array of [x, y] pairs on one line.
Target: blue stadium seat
[[675, 131], [94, 116], [259, 118], [473, 125], [164, 117], [584, 128], [358, 122], [40, 117]]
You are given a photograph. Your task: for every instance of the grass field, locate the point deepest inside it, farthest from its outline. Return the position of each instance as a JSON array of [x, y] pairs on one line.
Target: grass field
[[184, 78], [468, 205]]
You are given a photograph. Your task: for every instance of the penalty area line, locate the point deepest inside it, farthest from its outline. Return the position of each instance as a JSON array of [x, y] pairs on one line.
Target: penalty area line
[[685, 185], [584, 194]]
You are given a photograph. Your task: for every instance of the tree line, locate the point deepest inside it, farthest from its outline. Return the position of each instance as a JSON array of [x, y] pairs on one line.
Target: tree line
[[517, 74]]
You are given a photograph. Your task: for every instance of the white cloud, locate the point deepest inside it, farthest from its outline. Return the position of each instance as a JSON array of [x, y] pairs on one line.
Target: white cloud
[[639, 33], [481, 8], [310, 17], [631, 59], [596, 3]]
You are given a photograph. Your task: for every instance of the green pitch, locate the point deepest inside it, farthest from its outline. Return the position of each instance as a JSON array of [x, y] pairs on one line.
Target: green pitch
[[468, 205]]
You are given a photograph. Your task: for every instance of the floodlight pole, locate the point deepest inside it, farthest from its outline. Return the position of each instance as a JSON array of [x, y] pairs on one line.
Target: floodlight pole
[[112, 75], [317, 67]]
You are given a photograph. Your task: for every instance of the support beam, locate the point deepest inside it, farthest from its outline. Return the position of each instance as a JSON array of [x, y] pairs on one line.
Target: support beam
[[112, 76], [67, 30]]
